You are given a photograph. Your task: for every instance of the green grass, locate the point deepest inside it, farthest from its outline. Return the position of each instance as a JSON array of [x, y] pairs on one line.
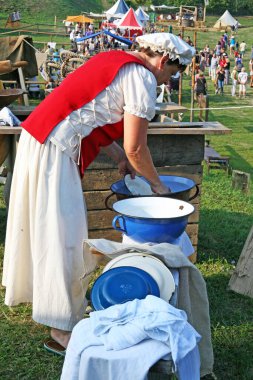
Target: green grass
[[225, 221]]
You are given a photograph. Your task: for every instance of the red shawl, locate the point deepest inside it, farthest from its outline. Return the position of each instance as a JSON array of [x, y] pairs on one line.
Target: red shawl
[[78, 89]]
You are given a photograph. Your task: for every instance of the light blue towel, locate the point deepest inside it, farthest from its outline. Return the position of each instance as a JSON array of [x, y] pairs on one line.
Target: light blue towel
[[122, 326], [122, 331]]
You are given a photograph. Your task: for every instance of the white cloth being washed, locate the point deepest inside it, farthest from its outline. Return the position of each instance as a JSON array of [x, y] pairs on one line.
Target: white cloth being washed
[[126, 325], [192, 294]]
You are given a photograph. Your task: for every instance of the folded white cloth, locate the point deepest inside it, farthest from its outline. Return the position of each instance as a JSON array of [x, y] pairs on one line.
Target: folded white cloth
[[8, 117], [168, 43]]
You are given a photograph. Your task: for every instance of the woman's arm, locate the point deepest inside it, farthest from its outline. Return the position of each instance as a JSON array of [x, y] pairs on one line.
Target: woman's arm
[[118, 155], [137, 152]]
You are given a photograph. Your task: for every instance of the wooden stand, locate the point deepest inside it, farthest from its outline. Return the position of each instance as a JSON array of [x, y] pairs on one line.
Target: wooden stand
[[240, 180]]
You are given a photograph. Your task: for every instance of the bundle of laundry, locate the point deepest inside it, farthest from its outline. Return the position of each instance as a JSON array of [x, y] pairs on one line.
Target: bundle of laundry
[[121, 329]]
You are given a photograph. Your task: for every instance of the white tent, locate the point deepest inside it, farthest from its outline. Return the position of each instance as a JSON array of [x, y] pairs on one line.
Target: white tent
[[118, 10], [226, 20]]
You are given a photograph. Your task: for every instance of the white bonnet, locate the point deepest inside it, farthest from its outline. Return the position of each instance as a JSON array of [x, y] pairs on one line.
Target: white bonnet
[[168, 43]]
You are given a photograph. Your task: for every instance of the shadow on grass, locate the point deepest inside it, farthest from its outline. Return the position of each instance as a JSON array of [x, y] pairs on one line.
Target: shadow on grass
[[249, 129], [222, 233], [223, 301], [238, 158]]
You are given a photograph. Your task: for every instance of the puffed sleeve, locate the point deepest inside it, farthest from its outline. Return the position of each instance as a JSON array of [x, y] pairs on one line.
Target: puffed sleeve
[[139, 89]]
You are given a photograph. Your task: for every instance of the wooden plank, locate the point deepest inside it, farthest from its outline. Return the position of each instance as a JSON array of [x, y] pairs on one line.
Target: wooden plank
[[103, 179], [23, 86], [95, 200], [190, 128], [173, 150], [162, 108], [242, 279], [5, 130]]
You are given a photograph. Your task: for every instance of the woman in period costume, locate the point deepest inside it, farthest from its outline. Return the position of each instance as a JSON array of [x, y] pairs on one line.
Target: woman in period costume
[[113, 95]]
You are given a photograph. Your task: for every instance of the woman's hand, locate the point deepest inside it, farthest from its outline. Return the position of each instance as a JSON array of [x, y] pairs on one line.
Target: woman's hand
[[160, 189], [126, 168]]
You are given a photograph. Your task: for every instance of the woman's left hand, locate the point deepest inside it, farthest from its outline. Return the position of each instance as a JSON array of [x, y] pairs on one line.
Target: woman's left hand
[[126, 168]]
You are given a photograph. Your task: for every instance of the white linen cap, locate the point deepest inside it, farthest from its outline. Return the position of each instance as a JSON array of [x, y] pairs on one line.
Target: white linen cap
[[168, 43]]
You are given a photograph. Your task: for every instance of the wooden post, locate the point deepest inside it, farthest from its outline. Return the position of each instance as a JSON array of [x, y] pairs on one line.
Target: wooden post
[[55, 19], [242, 279], [241, 180], [22, 85], [193, 77], [204, 15]]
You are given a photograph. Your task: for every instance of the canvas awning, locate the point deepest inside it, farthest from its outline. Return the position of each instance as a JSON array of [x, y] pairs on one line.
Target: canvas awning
[[16, 49], [81, 18]]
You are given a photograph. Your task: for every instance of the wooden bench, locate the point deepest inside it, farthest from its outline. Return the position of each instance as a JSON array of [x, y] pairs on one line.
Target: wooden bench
[[215, 160]]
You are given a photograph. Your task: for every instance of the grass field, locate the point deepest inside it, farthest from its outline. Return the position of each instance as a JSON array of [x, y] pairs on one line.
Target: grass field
[[225, 220]]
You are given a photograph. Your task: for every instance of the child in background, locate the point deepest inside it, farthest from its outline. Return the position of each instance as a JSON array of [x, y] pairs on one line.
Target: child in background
[[242, 80]]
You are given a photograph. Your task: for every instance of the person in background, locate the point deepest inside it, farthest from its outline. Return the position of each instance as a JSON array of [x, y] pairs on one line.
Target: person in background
[[34, 88], [56, 56], [242, 80], [251, 53], [227, 70], [214, 66], [234, 77], [220, 80], [242, 48], [202, 63], [49, 51], [44, 261], [189, 41], [238, 62], [209, 59], [201, 92], [232, 44], [218, 49], [251, 72]]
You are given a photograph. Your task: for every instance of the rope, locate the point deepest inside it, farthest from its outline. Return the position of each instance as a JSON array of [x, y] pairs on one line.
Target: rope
[[32, 46], [219, 108]]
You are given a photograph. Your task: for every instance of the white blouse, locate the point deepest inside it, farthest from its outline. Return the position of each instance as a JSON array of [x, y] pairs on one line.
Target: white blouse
[[133, 90]]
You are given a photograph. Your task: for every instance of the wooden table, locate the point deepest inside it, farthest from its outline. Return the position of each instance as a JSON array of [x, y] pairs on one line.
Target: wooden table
[[163, 108], [177, 149]]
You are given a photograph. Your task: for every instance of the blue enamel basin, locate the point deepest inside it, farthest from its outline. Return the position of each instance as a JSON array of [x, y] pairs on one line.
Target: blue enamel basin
[[152, 219]]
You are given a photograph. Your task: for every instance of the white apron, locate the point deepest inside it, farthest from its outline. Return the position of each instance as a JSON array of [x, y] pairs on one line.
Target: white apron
[[47, 223]]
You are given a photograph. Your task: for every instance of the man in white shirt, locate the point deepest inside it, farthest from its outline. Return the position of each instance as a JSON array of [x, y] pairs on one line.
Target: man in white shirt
[[242, 79]]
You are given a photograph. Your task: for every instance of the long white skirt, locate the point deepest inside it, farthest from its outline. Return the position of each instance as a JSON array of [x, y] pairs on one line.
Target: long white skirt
[[47, 224]]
